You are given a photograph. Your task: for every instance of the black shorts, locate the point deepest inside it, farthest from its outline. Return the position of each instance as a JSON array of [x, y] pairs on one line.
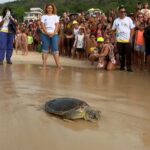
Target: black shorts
[[80, 50], [147, 47]]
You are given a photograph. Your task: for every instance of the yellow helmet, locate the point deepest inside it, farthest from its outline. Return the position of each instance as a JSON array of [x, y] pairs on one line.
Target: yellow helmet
[[100, 39]]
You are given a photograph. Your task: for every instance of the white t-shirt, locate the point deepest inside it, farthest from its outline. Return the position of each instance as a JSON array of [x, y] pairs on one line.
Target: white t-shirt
[[80, 41], [123, 29], [49, 22], [75, 31], [4, 27]]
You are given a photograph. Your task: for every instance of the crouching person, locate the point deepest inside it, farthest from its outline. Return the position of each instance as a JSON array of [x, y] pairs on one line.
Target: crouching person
[[106, 57]]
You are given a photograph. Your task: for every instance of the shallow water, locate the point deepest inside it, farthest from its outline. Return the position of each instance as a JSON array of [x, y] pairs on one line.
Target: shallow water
[[122, 97]]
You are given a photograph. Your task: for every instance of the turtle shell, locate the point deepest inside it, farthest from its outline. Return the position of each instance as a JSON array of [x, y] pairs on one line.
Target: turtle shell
[[60, 106]]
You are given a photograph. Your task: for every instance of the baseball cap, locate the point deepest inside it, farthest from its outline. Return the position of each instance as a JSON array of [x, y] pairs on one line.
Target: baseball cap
[[74, 22]]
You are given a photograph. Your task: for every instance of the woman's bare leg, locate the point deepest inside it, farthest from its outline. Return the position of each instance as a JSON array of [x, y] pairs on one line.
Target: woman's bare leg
[[111, 66], [44, 58], [57, 60]]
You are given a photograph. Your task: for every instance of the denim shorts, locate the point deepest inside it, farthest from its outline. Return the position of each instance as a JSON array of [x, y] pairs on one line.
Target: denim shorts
[[49, 43], [140, 48]]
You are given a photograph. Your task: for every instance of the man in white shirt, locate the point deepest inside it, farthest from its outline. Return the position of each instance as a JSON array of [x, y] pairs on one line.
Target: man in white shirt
[[124, 28]]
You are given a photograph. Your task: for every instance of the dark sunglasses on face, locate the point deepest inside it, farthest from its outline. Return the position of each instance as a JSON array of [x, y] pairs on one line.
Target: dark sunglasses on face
[[140, 16], [122, 11]]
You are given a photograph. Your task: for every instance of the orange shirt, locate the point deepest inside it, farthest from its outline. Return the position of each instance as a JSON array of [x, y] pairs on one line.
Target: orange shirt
[[140, 38]]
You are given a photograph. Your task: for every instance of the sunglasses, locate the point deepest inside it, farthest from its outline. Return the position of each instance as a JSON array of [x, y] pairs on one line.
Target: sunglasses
[[140, 16], [122, 11]]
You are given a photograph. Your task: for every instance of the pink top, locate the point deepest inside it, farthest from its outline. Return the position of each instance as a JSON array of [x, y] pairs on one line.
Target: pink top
[[99, 33]]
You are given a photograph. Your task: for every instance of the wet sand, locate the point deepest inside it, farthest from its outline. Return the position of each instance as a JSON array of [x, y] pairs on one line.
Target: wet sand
[[122, 97]]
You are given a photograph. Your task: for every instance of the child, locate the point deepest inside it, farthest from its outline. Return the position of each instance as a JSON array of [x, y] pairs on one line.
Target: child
[[79, 44], [106, 57], [24, 42], [30, 41], [90, 44], [139, 46], [18, 43], [94, 52]]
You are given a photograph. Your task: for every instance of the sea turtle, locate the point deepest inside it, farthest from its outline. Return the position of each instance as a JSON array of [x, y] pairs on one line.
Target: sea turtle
[[71, 108]]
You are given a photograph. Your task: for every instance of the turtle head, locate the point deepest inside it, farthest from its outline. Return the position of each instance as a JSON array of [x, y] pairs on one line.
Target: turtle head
[[92, 115]]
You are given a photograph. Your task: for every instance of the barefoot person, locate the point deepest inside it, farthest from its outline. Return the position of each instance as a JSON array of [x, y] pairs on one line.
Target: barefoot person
[[106, 57], [95, 51], [50, 25]]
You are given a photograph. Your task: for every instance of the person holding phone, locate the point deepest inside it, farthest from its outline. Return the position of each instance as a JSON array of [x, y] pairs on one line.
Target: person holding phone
[[7, 33]]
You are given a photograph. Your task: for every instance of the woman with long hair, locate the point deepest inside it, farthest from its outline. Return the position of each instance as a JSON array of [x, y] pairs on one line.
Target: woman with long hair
[[50, 39]]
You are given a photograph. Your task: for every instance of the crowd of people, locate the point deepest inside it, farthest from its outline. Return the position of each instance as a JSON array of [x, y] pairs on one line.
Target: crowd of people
[[112, 40]]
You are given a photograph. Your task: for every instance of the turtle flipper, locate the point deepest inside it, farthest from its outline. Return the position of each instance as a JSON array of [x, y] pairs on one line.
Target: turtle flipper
[[74, 114], [68, 120]]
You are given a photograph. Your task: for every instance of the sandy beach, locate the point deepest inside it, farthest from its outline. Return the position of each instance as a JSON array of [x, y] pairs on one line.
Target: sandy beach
[[122, 97], [35, 58]]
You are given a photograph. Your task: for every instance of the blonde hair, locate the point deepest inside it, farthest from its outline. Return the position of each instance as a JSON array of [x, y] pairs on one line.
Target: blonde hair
[[53, 6]]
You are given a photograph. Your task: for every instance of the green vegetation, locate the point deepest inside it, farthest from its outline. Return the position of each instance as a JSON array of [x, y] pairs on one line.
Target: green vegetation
[[20, 6]]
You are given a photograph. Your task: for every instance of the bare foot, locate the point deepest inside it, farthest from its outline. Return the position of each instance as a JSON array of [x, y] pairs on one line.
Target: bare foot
[[92, 63], [60, 67], [44, 66]]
